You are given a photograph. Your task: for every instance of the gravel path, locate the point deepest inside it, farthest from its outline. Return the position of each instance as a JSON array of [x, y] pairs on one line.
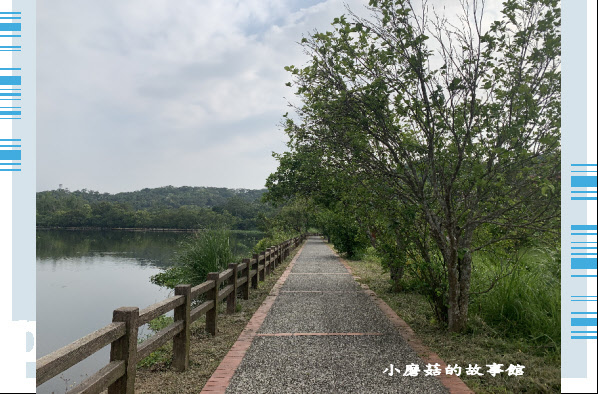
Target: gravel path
[[321, 297]]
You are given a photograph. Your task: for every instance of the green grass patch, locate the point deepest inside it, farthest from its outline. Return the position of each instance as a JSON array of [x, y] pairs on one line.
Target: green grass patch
[[485, 342], [527, 303], [204, 252], [162, 354]]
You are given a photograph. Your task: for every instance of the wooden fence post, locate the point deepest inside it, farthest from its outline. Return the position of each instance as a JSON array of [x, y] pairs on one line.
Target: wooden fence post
[[248, 277], [180, 342], [125, 348], [231, 300], [263, 272], [212, 314], [269, 261], [280, 249], [254, 280]]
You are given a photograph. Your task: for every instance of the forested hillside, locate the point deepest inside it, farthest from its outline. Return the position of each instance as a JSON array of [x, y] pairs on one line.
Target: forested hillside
[[163, 207]]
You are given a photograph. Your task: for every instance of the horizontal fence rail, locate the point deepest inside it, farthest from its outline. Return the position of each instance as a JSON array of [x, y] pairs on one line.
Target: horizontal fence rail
[[118, 376]]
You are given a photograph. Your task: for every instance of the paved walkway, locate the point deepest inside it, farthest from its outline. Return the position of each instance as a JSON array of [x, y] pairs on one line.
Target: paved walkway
[[321, 333]]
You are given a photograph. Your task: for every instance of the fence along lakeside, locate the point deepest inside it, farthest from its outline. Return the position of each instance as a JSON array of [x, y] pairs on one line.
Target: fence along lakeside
[[118, 376]]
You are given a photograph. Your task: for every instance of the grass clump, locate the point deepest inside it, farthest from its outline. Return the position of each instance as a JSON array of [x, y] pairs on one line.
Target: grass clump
[[204, 252], [526, 303], [510, 324], [273, 238], [164, 353]]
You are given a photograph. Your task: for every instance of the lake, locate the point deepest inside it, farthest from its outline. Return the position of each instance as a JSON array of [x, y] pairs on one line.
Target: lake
[[82, 276]]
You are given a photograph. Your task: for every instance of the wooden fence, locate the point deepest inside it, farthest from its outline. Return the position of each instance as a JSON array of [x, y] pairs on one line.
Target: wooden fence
[[119, 375]]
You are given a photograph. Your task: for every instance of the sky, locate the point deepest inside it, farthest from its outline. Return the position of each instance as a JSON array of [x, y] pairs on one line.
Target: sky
[[139, 93]]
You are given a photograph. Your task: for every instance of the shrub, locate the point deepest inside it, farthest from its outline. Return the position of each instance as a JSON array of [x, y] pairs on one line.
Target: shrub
[[273, 238], [205, 252]]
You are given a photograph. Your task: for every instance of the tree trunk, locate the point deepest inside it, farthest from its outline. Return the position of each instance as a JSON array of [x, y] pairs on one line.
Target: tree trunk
[[459, 276], [396, 275]]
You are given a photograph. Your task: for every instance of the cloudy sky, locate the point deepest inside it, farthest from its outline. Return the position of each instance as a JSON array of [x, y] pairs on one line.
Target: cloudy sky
[[139, 93]]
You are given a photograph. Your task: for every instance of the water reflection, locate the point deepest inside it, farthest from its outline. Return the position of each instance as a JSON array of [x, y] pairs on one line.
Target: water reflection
[[147, 247], [82, 276]]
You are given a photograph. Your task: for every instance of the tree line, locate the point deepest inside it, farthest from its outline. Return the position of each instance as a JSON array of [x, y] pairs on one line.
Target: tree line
[[432, 140], [164, 207]]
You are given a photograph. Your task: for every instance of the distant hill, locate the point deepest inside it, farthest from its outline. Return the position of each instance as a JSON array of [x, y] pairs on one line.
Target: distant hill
[[168, 196], [168, 206]]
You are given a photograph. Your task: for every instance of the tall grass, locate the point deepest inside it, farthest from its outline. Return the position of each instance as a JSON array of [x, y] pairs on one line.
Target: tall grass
[[526, 303], [273, 238], [205, 252]]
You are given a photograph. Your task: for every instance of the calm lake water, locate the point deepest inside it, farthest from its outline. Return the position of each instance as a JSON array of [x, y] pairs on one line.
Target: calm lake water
[[82, 276]]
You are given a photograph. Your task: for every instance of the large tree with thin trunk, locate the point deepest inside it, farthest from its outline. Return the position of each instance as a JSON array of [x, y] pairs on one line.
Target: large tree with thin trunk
[[459, 118]]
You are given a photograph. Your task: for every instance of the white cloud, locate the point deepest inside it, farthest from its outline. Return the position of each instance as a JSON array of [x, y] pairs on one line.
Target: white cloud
[[140, 93]]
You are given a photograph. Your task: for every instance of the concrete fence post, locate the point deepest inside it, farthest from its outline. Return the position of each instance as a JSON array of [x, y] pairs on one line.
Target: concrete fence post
[[255, 278], [248, 277], [263, 272], [125, 348], [269, 261], [180, 342], [231, 300], [212, 314]]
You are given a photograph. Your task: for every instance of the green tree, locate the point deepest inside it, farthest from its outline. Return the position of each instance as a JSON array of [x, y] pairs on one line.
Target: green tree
[[460, 122]]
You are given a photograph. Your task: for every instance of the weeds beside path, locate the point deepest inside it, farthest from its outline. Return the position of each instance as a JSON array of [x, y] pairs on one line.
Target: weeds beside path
[[206, 351], [482, 345]]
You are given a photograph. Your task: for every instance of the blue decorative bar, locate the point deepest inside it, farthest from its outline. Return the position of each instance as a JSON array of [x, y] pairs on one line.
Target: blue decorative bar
[[10, 80], [10, 154], [583, 264], [583, 321], [10, 27]]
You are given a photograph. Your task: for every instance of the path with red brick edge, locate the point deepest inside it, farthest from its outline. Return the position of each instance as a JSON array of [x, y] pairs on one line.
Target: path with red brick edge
[[319, 331]]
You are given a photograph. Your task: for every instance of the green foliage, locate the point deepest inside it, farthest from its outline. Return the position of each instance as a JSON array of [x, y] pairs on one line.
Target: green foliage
[[344, 232], [527, 302], [481, 343], [160, 323], [432, 155], [165, 207], [273, 238], [205, 252], [163, 353], [294, 216]]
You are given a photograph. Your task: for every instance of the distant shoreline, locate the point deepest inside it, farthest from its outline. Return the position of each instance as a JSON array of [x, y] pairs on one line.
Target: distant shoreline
[[138, 229], [171, 230]]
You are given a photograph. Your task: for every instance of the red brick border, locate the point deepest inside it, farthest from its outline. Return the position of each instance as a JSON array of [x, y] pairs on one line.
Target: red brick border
[[452, 382], [220, 379]]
